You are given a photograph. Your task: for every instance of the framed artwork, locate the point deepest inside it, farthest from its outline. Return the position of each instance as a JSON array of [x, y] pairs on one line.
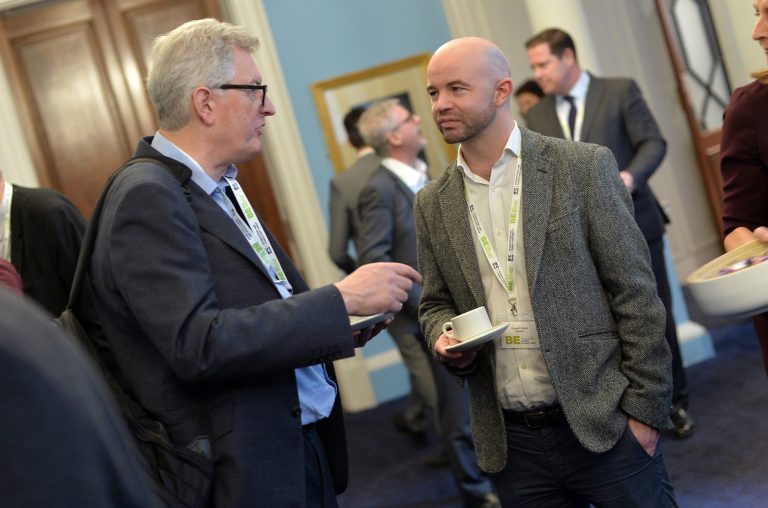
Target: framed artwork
[[405, 80]]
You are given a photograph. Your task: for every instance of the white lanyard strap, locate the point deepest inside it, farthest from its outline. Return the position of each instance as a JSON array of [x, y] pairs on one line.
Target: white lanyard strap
[[5, 240], [507, 280], [254, 233]]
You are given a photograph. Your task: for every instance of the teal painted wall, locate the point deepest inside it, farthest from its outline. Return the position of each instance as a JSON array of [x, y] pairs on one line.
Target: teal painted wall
[[318, 40]]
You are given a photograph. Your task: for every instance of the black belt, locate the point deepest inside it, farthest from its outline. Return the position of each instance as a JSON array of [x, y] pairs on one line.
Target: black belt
[[550, 416]]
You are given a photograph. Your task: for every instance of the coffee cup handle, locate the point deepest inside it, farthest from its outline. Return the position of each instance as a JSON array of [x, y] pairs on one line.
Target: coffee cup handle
[[448, 330]]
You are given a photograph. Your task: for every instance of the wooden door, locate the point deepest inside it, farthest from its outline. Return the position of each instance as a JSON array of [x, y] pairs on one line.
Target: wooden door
[[702, 85], [77, 71]]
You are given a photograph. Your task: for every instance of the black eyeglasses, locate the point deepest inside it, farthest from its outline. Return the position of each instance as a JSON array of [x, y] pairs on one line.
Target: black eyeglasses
[[252, 88], [407, 119]]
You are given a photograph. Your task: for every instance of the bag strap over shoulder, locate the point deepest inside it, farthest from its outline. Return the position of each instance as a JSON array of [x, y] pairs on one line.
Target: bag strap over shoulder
[[182, 476], [86, 249]]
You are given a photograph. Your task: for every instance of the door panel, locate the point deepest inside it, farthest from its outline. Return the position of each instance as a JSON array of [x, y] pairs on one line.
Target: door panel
[[77, 70], [74, 112], [78, 122], [702, 84]]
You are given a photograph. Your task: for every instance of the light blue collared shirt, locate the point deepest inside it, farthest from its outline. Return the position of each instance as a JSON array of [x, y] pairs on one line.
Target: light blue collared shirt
[[317, 392]]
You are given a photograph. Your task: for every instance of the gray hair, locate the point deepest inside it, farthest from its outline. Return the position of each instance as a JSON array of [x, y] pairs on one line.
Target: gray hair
[[377, 123], [197, 53]]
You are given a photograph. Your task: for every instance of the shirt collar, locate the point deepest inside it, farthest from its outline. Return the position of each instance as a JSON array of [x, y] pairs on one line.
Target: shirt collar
[[199, 176], [579, 89], [512, 148], [414, 178]]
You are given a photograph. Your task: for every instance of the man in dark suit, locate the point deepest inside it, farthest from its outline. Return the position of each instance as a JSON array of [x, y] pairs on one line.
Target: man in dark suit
[[211, 326], [567, 403], [42, 241], [345, 190], [388, 233], [612, 113], [64, 441]]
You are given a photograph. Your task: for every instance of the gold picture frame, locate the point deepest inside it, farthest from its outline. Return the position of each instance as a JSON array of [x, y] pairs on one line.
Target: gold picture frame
[[404, 79]]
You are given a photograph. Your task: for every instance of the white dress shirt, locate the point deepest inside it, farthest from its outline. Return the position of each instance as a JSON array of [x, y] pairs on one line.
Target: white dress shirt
[[563, 107], [522, 378], [413, 178]]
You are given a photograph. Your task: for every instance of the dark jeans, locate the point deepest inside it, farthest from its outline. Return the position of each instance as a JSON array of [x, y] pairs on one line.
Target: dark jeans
[[548, 467]]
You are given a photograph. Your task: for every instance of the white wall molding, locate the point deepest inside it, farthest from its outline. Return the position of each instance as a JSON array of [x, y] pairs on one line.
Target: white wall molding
[[466, 19]]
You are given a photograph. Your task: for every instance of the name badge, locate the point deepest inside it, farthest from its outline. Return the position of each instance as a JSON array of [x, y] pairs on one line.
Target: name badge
[[520, 335]]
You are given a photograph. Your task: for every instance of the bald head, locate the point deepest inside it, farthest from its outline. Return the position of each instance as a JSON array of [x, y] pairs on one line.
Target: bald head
[[480, 54], [469, 82]]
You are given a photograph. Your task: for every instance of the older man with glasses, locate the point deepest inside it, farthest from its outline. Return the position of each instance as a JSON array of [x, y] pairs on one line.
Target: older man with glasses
[[211, 326]]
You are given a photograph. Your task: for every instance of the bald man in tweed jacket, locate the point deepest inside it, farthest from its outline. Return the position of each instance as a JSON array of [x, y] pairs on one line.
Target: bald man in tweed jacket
[[599, 322]]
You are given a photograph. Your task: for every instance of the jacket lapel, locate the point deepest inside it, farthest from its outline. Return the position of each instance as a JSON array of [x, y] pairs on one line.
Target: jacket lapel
[[215, 221], [210, 216], [453, 208], [591, 104], [555, 128], [537, 198]]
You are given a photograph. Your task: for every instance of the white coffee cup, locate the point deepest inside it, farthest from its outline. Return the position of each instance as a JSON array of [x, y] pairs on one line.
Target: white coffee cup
[[467, 325]]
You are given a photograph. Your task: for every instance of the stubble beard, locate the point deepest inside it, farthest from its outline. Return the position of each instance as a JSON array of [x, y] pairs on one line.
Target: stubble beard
[[472, 126]]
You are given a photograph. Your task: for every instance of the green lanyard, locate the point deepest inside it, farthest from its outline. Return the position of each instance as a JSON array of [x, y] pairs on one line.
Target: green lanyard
[[507, 279], [254, 234]]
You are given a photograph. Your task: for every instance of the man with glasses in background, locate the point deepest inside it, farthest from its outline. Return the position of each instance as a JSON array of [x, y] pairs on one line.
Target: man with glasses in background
[[211, 326], [388, 233], [344, 191]]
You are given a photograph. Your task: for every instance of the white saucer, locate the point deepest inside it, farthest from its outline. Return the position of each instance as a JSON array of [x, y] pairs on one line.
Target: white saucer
[[480, 338]]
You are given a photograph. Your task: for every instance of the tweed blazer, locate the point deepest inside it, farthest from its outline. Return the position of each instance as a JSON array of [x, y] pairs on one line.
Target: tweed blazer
[[600, 322], [616, 116]]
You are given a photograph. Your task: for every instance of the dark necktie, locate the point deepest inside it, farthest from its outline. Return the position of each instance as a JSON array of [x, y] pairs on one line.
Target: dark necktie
[[571, 115]]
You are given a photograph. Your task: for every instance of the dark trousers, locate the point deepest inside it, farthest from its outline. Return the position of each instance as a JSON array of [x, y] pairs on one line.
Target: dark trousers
[[659, 267], [453, 416], [422, 401], [548, 467], [319, 484]]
